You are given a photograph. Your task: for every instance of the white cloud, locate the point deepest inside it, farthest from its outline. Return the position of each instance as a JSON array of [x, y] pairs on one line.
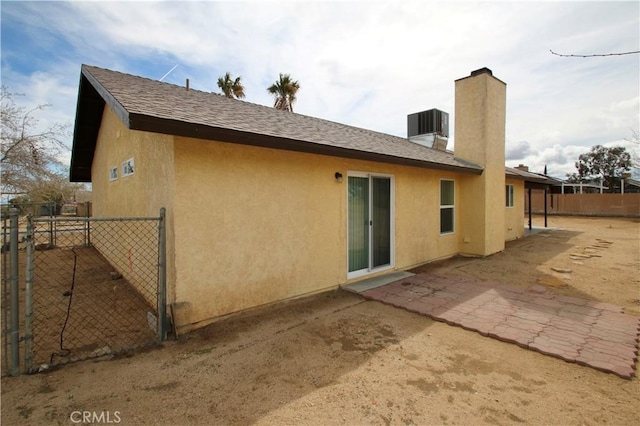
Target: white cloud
[[51, 89], [558, 159], [517, 151]]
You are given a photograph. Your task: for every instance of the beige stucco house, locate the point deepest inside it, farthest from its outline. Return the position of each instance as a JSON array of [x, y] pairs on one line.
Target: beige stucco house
[[265, 205]]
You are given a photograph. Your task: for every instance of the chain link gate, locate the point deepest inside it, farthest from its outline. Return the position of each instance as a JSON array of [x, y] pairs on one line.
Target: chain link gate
[[94, 287], [11, 322]]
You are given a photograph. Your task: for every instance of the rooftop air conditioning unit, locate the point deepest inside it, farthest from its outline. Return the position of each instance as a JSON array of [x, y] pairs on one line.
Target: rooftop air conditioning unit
[[429, 128]]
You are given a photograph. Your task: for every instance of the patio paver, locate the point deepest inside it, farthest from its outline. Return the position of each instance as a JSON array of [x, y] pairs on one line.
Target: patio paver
[[595, 334]]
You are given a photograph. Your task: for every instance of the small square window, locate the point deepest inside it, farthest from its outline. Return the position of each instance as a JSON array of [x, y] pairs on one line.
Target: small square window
[[128, 167]]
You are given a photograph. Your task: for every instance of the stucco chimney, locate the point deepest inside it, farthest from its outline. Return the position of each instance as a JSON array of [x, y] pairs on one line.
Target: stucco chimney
[[480, 137], [480, 118], [522, 167]]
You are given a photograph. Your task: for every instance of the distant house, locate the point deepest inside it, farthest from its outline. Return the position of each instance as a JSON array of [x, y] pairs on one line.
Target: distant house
[[565, 187], [265, 205], [631, 186]]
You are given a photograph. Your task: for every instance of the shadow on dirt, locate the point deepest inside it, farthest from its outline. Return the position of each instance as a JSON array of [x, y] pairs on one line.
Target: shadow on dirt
[[270, 357], [519, 264]]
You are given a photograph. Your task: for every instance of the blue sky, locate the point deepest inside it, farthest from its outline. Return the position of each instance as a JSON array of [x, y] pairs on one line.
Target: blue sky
[[366, 64]]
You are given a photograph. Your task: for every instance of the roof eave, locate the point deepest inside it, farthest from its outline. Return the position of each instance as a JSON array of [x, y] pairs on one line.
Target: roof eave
[[198, 131], [115, 106], [528, 179], [87, 123], [92, 97]]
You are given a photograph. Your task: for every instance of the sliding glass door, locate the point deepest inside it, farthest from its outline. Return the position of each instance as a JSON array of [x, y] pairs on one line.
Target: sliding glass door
[[369, 223]]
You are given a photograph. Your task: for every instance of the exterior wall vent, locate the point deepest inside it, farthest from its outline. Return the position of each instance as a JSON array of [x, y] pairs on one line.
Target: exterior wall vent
[[429, 128]]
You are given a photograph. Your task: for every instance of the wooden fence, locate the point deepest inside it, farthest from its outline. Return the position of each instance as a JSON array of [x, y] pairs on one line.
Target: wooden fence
[[625, 205]]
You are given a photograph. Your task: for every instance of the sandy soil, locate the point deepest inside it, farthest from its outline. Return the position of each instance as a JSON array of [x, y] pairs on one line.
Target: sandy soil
[[337, 359], [83, 314]]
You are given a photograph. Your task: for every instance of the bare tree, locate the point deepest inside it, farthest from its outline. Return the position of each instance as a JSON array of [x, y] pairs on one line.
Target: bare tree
[[29, 156], [635, 157]]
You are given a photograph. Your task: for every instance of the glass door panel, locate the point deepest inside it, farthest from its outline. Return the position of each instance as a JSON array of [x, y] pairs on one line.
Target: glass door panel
[[381, 218], [369, 222], [358, 226]]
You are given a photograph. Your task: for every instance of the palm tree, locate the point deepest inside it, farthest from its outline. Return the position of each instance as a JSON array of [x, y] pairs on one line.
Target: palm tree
[[231, 88], [285, 91]]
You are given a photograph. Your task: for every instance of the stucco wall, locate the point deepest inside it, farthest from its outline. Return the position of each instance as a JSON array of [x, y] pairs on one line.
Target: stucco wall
[[257, 225], [140, 195], [418, 238], [151, 185], [249, 226], [514, 217], [480, 105]]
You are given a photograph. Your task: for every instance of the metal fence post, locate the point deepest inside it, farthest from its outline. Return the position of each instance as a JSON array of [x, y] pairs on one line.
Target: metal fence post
[[162, 275], [88, 232], [28, 333], [5, 293], [51, 242], [15, 294]]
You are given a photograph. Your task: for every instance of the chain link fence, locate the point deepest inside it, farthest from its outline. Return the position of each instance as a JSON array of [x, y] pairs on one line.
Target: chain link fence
[[92, 287], [11, 285]]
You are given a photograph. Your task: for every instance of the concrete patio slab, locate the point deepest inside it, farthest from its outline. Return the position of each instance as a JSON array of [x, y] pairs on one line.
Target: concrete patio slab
[[370, 283], [594, 334]]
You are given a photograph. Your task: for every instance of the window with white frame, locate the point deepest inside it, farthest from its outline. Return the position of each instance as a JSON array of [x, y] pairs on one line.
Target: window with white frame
[[509, 195], [447, 208], [128, 167]]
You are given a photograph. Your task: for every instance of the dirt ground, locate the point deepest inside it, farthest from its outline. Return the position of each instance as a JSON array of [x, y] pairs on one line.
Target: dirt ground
[[104, 314], [335, 358], [80, 309]]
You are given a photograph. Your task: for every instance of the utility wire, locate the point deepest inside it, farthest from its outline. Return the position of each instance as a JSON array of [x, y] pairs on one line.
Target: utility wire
[[594, 55]]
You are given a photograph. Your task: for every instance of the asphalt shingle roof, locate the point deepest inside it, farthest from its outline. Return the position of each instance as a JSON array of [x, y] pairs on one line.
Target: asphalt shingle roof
[[524, 175], [151, 105]]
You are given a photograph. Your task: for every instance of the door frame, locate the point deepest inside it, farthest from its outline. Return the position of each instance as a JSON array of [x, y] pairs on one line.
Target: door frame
[[392, 223]]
